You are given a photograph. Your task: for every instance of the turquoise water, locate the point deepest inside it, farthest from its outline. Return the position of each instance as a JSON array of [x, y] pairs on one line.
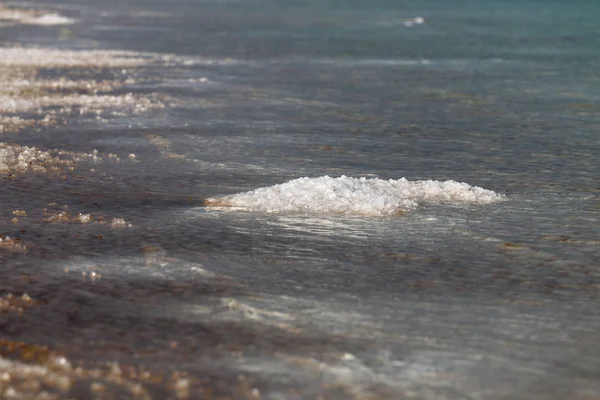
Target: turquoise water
[[447, 301]]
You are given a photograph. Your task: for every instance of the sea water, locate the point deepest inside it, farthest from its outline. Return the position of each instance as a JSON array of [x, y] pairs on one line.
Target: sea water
[[300, 199]]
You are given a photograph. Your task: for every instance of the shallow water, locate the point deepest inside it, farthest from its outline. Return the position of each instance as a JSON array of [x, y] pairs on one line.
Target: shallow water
[[155, 295]]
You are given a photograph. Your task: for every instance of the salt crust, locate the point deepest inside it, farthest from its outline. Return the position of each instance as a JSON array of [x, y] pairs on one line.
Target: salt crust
[[52, 376], [23, 91], [84, 103], [56, 58], [17, 304], [9, 243], [24, 85], [18, 159], [119, 223], [14, 124], [361, 196], [66, 216]]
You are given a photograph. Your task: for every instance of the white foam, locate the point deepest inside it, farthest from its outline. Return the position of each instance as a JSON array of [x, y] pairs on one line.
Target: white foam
[[414, 21], [347, 195], [52, 19], [33, 17]]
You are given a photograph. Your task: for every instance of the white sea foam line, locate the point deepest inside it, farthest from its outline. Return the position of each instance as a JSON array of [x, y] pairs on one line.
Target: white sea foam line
[[347, 195], [32, 17], [51, 19]]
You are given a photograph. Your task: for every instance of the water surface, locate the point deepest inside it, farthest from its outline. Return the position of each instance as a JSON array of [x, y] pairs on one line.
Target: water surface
[[447, 301]]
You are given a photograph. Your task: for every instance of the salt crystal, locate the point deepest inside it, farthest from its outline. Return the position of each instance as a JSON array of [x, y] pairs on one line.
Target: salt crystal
[[362, 196], [119, 223], [84, 218]]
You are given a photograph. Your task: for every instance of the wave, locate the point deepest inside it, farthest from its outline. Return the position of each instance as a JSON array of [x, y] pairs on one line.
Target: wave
[[33, 17], [360, 196]]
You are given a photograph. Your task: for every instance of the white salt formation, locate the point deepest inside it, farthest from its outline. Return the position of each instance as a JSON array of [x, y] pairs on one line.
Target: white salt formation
[[23, 91], [362, 196], [50, 376], [9, 243], [32, 84], [13, 124], [83, 103], [18, 159], [47, 58], [119, 223]]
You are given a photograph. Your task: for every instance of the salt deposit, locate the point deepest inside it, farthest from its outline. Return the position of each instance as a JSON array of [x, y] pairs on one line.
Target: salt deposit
[[23, 91], [14, 124], [19, 159], [119, 223], [36, 57], [52, 376], [16, 304], [83, 103], [14, 244], [25, 85], [67, 216], [362, 196], [16, 159]]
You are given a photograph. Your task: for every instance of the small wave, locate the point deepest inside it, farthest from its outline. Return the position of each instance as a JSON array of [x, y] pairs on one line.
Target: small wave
[[51, 19], [34, 17], [359, 62], [361, 196]]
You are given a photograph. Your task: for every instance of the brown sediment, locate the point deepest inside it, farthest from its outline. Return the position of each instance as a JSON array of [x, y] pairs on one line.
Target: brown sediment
[[515, 246], [215, 202], [23, 351]]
